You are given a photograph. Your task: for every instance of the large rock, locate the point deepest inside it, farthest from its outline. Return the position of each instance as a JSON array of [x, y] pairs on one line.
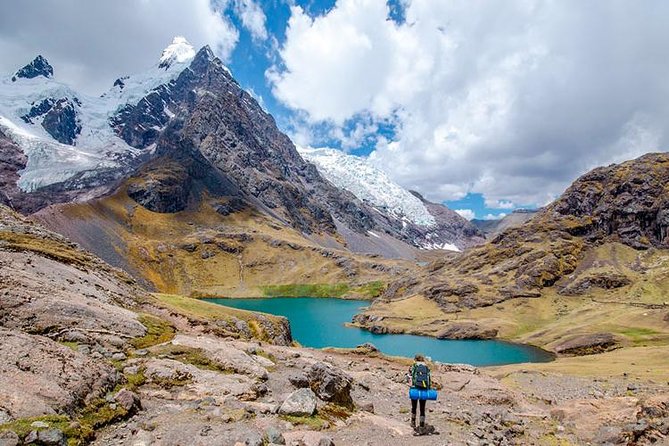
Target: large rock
[[466, 330], [41, 377], [9, 438], [225, 355], [587, 344], [301, 402], [330, 384], [50, 286]]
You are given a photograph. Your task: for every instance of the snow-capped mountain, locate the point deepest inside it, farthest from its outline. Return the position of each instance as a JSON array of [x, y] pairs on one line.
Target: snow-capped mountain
[[369, 184], [65, 133], [430, 225], [184, 131]]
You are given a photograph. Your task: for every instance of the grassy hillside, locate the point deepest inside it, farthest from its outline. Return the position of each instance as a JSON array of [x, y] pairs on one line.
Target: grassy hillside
[[201, 253]]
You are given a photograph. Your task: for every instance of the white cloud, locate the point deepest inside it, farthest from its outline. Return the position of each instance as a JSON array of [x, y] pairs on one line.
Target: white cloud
[[499, 204], [510, 99], [252, 17], [466, 213], [494, 216], [91, 43]]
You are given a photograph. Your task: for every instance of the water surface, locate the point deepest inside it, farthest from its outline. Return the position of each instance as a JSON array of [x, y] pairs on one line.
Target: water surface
[[320, 322]]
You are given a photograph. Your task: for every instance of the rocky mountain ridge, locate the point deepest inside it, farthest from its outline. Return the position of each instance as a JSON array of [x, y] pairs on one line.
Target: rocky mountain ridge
[[88, 357], [429, 225], [78, 147]]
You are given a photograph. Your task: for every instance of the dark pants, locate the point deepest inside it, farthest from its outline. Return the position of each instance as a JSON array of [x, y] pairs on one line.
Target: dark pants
[[415, 403]]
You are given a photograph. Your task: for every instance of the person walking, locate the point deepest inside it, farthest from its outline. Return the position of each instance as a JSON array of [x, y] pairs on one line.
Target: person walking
[[419, 374]]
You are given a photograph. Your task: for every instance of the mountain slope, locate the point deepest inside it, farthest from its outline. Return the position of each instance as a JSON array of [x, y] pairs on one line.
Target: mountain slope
[[603, 243], [185, 109], [493, 227], [429, 225]]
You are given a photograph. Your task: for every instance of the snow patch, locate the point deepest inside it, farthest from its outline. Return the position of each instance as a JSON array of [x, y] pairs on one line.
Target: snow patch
[[179, 51], [368, 184], [97, 146]]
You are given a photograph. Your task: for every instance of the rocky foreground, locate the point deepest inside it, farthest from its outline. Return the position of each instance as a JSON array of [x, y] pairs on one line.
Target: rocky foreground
[[87, 357]]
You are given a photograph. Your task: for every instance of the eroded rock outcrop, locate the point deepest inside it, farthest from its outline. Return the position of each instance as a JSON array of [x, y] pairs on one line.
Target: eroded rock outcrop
[[41, 377]]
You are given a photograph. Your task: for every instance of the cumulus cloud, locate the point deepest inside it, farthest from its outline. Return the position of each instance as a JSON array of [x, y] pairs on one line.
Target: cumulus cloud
[[90, 43], [499, 204], [466, 213], [510, 99], [494, 216], [252, 17]]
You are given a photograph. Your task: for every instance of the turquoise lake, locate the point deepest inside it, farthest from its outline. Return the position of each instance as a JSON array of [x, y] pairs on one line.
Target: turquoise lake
[[320, 322]]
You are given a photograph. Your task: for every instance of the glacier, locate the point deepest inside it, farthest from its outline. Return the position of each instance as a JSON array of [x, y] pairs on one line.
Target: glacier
[[96, 147], [369, 184]]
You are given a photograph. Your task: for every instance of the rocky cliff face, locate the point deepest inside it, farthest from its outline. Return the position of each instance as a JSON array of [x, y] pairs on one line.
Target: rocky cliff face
[[190, 104], [625, 203], [38, 67], [58, 117]]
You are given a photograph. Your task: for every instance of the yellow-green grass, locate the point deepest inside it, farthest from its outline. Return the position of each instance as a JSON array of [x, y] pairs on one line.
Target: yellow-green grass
[[197, 309], [367, 291], [260, 253], [45, 247], [644, 363], [158, 331], [200, 308]]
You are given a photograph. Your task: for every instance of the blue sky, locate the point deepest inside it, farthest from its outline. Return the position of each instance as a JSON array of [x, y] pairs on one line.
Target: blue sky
[[251, 59], [486, 106]]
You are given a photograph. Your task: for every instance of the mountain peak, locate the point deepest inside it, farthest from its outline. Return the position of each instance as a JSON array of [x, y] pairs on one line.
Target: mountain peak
[[38, 67], [179, 51]]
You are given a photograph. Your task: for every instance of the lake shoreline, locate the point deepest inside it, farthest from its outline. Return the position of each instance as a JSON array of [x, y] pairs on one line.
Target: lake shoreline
[[333, 317]]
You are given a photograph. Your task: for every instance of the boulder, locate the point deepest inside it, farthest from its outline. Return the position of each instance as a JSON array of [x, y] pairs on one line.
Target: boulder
[[274, 436], [301, 402], [128, 400], [9, 438], [64, 379], [466, 330], [51, 437], [330, 384], [587, 344], [308, 438], [367, 347], [605, 279], [167, 370], [225, 355], [299, 380]]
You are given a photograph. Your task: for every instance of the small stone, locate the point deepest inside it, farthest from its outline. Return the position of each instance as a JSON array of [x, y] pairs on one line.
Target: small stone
[[128, 400], [141, 352], [299, 403], [31, 437], [51, 437], [326, 441], [119, 356], [9, 438], [253, 439], [4, 417], [131, 370], [272, 435], [39, 424], [367, 406]]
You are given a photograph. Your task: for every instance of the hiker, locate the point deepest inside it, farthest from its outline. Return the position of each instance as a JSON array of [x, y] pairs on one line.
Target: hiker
[[421, 383]]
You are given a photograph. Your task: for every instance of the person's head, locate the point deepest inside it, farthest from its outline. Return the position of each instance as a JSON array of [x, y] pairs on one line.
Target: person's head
[[419, 358]]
